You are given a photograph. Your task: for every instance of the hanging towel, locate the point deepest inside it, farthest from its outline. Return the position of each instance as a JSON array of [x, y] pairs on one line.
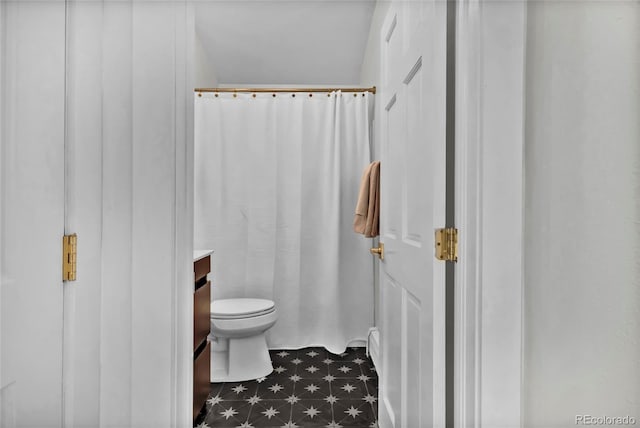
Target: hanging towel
[[366, 220], [362, 207], [373, 214]]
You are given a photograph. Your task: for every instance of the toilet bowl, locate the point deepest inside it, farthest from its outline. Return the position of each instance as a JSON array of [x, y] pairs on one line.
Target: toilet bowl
[[238, 345]]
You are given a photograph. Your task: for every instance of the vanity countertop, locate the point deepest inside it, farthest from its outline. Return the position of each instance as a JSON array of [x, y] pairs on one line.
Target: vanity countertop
[[200, 254]]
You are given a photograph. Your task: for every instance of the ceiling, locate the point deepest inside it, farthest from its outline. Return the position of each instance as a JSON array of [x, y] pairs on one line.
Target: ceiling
[[280, 42]]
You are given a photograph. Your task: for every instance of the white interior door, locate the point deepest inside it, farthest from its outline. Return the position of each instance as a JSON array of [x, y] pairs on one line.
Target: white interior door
[[127, 319], [412, 109], [32, 212]]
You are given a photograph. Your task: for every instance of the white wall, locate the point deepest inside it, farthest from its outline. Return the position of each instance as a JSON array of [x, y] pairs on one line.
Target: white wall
[[582, 242], [204, 73]]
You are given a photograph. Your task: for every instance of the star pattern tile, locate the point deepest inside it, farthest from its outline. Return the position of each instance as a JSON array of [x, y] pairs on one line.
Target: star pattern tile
[[276, 388], [270, 412], [370, 399], [309, 387], [254, 400], [228, 413], [240, 388], [331, 399], [213, 400], [292, 399], [311, 412], [353, 412], [347, 387], [312, 388]]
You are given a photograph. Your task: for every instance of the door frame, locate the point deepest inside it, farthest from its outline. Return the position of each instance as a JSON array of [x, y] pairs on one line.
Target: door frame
[[489, 209]]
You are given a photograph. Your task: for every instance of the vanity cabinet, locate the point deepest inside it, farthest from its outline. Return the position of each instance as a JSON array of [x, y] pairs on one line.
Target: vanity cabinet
[[201, 326]]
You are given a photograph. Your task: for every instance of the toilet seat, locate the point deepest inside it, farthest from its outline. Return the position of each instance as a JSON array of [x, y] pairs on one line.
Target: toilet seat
[[226, 309]]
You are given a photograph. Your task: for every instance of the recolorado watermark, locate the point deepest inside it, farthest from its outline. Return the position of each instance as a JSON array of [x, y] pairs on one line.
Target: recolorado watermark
[[605, 420]]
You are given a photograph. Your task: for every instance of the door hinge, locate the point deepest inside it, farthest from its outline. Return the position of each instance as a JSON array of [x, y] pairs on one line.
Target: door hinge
[[69, 255], [447, 244]]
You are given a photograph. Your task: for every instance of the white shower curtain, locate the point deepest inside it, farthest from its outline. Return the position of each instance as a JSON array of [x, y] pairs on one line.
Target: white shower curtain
[[276, 183]]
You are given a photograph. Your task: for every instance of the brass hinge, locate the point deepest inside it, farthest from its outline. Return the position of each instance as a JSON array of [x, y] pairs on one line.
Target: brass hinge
[[69, 255], [447, 244]]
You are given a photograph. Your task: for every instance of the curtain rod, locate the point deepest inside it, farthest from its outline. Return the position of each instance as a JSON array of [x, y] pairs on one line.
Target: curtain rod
[[258, 90]]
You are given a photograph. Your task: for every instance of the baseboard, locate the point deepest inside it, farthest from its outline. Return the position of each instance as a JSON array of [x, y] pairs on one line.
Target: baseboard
[[353, 343], [357, 343], [373, 348]]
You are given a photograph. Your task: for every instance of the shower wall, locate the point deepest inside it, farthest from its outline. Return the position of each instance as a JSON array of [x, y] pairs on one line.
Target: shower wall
[[582, 217]]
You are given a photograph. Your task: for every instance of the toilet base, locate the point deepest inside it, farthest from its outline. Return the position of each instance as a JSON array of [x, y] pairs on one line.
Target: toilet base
[[240, 359]]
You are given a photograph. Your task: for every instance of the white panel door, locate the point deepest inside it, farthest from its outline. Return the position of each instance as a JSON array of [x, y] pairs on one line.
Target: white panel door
[[31, 212], [411, 106]]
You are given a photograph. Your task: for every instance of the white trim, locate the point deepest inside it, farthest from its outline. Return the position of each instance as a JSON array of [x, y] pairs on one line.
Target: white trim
[[4, 389], [373, 347], [468, 187], [489, 196], [182, 399]]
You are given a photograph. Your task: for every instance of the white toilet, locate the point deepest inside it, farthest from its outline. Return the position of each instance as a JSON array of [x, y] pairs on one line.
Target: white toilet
[[238, 345]]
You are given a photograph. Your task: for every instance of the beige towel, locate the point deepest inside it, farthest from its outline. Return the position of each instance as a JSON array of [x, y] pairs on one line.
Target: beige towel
[[367, 215], [362, 207], [373, 214]]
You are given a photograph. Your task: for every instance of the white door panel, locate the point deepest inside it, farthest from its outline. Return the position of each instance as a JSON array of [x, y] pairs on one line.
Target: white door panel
[[413, 206]]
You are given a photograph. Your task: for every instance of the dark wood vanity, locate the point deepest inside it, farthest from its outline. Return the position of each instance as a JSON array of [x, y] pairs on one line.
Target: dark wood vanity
[[201, 326]]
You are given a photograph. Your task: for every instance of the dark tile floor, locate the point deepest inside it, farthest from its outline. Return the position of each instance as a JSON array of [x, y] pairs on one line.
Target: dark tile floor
[[309, 387]]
